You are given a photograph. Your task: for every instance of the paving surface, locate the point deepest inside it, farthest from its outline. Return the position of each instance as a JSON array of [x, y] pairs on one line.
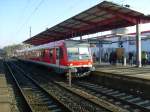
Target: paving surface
[[4, 95], [5, 101], [130, 71]]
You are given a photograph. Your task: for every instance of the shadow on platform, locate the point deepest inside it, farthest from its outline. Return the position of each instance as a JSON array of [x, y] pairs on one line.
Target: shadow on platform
[[1, 67]]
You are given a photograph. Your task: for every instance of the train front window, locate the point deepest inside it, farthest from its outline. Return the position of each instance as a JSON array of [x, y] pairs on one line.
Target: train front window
[[78, 53]]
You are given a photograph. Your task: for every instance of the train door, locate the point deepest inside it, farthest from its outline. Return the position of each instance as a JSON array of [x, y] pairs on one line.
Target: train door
[[57, 56]]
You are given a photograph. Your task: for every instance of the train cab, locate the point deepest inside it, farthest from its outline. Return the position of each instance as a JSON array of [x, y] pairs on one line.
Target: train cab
[[79, 57]]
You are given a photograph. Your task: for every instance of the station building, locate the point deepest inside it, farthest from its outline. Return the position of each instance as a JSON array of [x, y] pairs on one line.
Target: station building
[[115, 41]]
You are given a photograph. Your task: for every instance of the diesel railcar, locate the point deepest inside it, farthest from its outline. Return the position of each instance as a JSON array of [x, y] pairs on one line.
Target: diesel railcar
[[61, 55]]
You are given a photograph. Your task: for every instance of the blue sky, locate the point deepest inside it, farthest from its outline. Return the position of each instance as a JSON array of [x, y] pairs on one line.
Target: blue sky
[[18, 15]]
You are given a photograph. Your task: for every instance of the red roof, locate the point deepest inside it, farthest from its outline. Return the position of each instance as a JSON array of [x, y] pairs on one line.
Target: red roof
[[102, 17]]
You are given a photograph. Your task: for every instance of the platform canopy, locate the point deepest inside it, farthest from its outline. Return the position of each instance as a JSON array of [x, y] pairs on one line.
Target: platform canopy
[[102, 17]]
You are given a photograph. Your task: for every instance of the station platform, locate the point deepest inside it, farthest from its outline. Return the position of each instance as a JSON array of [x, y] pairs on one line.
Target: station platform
[[4, 95], [5, 100], [127, 71]]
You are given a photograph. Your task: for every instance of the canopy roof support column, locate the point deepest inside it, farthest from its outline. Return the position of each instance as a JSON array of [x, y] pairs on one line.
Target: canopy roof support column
[[100, 52], [138, 45], [80, 37]]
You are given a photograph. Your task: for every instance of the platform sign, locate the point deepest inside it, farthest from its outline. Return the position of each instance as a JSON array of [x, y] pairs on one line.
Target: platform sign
[[120, 53], [97, 41], [131, 41]]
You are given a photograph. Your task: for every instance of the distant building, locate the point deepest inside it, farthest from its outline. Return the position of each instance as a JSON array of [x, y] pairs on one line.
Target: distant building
[[11, 50]]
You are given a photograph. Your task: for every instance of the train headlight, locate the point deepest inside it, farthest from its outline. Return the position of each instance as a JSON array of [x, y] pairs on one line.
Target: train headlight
[[71, 64], [92, 68], [73, 70], [89, 63]]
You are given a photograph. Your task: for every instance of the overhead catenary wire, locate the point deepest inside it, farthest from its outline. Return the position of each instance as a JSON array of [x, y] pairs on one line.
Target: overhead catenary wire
[[29, 17], [23, 11], [67, 10], [71, 7]]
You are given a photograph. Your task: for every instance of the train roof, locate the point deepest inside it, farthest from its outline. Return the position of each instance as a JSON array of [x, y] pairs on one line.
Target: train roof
[[73, 43], [68, 43]]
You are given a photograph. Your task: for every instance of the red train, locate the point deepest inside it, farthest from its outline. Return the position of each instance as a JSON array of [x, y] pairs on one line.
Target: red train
[[61, 55]]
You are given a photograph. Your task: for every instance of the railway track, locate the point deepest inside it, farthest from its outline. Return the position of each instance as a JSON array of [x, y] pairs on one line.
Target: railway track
[[130, 102], [134, 83], [37, 99], [18, 104], [100, 102], [75, 100]]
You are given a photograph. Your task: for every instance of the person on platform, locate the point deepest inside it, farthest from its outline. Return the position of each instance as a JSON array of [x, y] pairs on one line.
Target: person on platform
[[144, 58], [111, 57], [94, 57], [106, 57], [130, 58], [114, 58]]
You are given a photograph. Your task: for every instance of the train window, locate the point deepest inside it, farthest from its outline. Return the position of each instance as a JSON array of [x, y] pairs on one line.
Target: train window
[[78, 53], [57, 53], [38, 53], [51, 53], [43, 53]]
